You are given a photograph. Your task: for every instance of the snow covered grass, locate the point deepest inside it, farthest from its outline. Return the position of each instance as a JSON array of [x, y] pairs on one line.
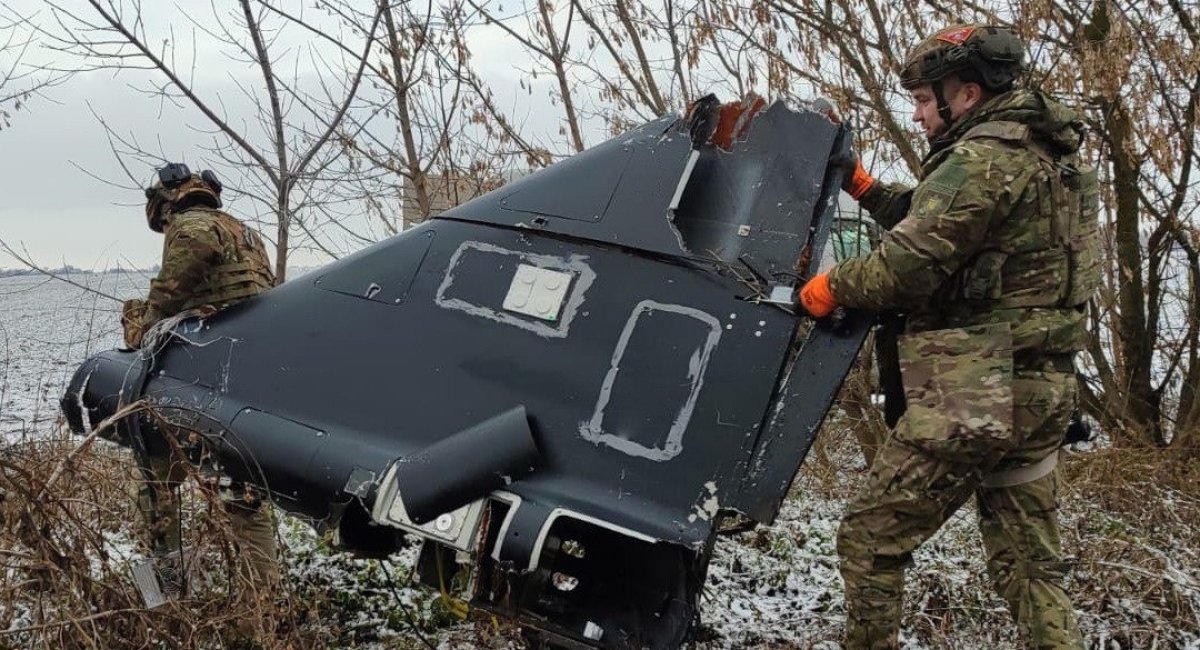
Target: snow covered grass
[[779, 586], [1129, 523], [1130, 519]]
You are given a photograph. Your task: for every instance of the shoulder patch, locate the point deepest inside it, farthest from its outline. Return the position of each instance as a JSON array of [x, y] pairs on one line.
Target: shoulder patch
[[938, 191], [950, 176], [934, 199]]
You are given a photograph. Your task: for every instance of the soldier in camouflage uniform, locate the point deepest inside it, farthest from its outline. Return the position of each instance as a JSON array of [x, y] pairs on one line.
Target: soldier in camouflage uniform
[[994, 257], [210, 261]]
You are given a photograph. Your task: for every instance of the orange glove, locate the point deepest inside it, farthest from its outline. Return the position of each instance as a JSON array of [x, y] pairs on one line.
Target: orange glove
[[816, 296], [860, 181]]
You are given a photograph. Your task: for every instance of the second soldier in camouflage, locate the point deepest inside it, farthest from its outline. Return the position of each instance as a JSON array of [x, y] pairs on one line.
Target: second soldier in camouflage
[[994, 257]]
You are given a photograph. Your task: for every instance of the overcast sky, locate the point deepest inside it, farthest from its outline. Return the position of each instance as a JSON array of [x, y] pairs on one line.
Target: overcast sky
[[57, 168], [53, 205]]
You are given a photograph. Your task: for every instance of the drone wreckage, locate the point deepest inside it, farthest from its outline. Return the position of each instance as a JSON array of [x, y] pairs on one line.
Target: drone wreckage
[[562, 387]]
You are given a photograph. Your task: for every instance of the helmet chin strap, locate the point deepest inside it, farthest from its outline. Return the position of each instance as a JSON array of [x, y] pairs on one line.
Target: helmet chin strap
[[943, 107]]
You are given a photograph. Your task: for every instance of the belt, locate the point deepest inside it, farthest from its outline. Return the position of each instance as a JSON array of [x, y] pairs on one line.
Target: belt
[[1022, 475]]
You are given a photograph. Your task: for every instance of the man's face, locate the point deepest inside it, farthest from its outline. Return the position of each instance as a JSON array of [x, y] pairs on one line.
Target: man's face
[[959, 96]]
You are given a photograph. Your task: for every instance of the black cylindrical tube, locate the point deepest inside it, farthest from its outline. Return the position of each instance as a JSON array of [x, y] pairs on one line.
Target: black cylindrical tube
[[467, 465]]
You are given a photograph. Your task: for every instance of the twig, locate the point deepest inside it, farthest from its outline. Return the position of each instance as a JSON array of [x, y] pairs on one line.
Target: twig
[[1177, 581], [29, 262], [98, 615], [87, 442], [406, 609]]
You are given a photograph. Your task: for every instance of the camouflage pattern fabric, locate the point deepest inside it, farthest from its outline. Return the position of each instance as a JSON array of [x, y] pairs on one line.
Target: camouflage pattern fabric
[[910, 493], [133, 315], [983, 240], [213, 260], [209, 258], [991, 256], [252, 525]]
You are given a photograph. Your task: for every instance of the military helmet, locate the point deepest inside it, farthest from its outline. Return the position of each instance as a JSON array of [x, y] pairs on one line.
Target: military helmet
[[177, 188], [995, 54]]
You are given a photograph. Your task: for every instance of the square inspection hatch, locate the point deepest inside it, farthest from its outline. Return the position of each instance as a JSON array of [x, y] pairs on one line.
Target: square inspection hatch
[[537, 292]]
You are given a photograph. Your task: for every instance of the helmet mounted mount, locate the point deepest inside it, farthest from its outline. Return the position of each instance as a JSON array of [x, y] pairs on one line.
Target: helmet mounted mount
[[177, 188]]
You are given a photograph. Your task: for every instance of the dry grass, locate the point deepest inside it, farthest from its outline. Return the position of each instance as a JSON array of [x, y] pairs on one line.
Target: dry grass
[[65, 549], [1134, 522], [69, 529]]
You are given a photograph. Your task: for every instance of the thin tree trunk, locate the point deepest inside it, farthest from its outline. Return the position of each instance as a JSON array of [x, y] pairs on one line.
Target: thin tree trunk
[[660, 107], [1140, 400], [284, 184], [411, 158], [281, 234], [557, 58]]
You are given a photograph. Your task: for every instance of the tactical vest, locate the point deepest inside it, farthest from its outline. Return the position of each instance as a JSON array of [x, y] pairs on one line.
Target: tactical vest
[[244, 271], [1045, 253]]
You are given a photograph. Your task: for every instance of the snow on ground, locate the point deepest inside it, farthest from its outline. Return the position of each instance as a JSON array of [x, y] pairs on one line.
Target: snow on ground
[[47, 328], [1137, 583]]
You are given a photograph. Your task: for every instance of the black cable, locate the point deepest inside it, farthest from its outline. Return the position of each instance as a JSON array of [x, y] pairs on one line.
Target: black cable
[[407, 611]]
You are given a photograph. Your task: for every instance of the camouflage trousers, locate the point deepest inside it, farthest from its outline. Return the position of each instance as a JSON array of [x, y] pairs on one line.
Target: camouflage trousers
[[253, 527], [929, 466]]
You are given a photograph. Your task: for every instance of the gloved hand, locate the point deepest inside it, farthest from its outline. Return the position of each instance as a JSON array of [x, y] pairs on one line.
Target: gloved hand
[[858, 181], [817, 298], [132, 313]]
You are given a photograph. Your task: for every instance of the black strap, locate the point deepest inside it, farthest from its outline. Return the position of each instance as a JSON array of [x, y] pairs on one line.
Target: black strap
[[887, 356], [1035, 360], [943, 107]]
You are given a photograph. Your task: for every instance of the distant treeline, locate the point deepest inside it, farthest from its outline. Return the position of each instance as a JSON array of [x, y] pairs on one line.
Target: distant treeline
[[68, 269]]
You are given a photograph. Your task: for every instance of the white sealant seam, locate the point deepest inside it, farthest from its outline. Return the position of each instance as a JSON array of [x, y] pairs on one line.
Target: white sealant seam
[[84, 416], [593, 430], [514, 501], [564, 512], [575, 264], [709, 507], [776, 412]]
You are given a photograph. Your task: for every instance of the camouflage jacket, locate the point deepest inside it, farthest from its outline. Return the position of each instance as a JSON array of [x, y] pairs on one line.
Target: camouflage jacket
[[210, 259], [1001, 228]]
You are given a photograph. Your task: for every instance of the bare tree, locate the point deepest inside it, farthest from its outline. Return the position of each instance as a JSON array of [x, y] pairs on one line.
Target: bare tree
[[19, 80], [1149, 139], [546, 39], [417, 87], [287, 147]]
